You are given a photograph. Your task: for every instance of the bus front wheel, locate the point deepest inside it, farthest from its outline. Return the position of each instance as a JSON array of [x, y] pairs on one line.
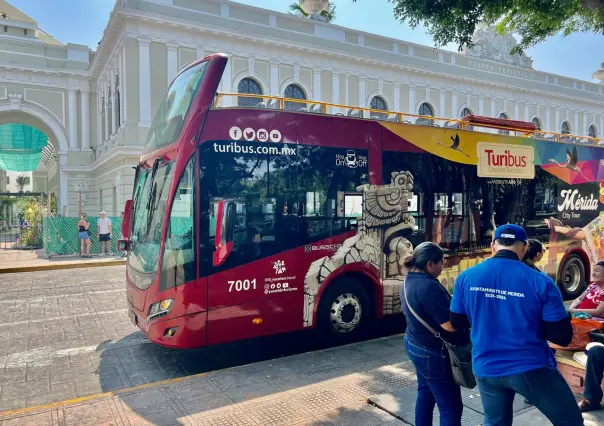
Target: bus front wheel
[[344, 311], [572, 277]]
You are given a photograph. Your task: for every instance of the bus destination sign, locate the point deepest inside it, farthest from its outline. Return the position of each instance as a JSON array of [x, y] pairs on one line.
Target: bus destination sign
[[496, 160]]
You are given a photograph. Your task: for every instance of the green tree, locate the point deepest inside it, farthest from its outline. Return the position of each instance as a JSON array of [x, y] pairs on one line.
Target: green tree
[[22, 181], [455, 21], [328, 15]]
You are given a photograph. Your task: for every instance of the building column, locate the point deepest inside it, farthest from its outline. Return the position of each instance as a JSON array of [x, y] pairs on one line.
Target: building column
[[397, 97], [227, 85], [63, 201], [172, 61], [316, 85], [335, 91], [493, 106], [411, 109], [84, 111], [363, 95], [73, 120], [548, 126], [346, 90], [576, 130], [442, 106], [584, 133], [144, 82], [516, 111], [480, 105], [557, 126], [106, 106], [454, 105], [274, 79], [123, 87], [113, 95], [526, 111]]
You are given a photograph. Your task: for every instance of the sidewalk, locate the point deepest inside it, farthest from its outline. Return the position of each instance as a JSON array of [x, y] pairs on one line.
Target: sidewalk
[[329, 387], [34, 260]]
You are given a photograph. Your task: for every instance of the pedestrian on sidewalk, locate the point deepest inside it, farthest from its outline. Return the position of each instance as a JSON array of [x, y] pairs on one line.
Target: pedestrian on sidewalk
[[533, 255], [594, 372], [513, 311], [84, 236], [104, 233], [592, 300], [430, 301]]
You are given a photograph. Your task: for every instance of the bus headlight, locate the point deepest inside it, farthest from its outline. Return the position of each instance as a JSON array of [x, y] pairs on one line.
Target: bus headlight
[[160, 309]]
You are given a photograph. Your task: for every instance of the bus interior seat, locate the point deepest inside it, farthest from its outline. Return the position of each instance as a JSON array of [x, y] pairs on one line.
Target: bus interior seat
[[303, 110], [392, 117], [357, 114], [272, 104], [260, 105], [315, 108]]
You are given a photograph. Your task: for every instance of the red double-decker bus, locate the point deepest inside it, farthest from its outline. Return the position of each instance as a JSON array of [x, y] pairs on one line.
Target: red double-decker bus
[[282, 214]]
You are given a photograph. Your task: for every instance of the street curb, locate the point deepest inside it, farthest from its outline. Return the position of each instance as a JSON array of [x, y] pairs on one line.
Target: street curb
[[35, 268], [38, 409]]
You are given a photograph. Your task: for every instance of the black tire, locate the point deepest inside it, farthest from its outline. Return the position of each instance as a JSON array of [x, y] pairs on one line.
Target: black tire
[[571, 278], [345, 311]]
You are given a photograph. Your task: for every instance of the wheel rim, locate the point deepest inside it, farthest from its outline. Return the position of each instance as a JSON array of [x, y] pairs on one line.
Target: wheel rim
[[572, 277], [345, 313]]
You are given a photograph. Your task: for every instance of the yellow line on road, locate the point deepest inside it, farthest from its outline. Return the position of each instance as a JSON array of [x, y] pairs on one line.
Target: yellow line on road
[[68, 402], [74, 265]]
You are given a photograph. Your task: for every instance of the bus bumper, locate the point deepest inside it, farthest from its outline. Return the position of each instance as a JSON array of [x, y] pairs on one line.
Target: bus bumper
[[184, 332]]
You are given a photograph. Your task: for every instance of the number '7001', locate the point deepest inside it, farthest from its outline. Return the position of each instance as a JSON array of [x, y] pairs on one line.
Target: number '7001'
[[242, 285]]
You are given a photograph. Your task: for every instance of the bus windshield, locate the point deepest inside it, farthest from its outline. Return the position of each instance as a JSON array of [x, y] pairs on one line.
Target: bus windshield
[[172, 112], [150, 200]]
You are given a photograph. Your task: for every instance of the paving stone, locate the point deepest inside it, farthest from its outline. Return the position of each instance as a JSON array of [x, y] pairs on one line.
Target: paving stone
[[101, 412], [44, 419], [401, 404]]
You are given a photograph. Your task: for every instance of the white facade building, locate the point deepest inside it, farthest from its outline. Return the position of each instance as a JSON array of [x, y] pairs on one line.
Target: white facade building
[[96, 107]]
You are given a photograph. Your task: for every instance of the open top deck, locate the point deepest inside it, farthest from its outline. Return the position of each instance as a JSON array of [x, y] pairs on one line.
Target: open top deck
[[472, 122]]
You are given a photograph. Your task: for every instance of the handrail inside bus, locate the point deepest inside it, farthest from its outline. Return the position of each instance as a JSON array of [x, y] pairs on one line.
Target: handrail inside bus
[[326, 108]]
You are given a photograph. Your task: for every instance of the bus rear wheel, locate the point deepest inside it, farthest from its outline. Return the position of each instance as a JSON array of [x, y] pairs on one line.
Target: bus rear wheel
[[344, 311], [572, 277]]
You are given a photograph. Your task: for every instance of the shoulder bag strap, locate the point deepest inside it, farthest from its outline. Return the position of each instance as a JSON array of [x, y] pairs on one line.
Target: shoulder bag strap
[[424, 323]]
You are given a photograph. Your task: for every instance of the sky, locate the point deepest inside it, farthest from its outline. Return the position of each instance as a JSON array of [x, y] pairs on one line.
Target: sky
[[83, 22]]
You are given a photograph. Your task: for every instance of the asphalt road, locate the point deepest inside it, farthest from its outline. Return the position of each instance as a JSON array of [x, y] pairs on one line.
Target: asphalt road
[[66, 334]]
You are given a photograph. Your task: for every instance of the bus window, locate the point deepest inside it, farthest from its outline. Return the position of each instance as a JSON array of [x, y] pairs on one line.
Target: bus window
[[282, 199], [178, 266]]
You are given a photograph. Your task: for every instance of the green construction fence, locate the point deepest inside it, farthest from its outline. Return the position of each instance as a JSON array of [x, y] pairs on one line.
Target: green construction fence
[[60, 235]]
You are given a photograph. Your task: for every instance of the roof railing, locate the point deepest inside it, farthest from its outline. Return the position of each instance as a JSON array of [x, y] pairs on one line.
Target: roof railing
[[326, 108]]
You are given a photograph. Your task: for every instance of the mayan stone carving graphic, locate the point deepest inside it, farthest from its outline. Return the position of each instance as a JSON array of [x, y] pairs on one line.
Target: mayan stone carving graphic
[[379, 242]]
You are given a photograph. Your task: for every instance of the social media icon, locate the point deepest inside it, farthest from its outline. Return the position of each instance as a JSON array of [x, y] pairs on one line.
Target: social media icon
[[249, 134], [275, 136], [235, 133], [262, 135]]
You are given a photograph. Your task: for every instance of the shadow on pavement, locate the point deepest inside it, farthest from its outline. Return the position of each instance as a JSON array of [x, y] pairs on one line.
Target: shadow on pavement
[[134, 361]]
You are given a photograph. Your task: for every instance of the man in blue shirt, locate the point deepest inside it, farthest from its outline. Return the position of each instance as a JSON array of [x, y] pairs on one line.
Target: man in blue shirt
[[512, 311]]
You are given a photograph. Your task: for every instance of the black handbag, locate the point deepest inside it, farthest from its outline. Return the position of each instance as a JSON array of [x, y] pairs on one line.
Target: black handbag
[[460, 356]]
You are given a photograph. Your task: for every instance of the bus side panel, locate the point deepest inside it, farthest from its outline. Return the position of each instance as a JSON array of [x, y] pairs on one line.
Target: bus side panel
[[267, 296]]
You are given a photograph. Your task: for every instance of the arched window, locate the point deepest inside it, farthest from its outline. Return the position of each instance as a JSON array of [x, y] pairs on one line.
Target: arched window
[[537, 123], [293, 91], [465, 112], [425, 109], [592, 132], [504, 116], [378, 103], [565, 128], [249, 86]]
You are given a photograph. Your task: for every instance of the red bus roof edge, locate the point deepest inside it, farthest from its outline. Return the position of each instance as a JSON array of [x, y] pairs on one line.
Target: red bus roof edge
[[503, 123]]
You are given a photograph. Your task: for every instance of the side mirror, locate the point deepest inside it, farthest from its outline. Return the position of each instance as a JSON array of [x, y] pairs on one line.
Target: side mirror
[[127, 219], [123, 245], [223, 240]]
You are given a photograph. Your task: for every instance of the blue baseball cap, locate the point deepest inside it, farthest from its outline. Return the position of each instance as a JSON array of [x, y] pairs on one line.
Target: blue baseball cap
[[511, 232]]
